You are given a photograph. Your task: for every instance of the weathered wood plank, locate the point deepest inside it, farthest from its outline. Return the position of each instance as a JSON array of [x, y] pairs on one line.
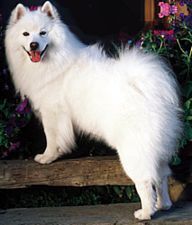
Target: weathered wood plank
[[71, 172], [116, 214]]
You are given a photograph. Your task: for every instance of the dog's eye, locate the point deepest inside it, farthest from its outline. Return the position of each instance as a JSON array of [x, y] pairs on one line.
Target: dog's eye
[[42, 33], [25, 34]]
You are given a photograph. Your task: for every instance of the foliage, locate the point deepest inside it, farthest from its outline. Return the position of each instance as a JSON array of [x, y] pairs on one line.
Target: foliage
[[172, 39], [59, 196], [14, 114], [12, 119]]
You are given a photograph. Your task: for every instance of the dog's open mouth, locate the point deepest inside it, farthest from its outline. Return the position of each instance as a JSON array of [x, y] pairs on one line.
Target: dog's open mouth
[[36, 55]]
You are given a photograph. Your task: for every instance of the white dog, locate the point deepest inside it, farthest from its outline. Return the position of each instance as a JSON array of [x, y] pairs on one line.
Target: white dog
[[130, 102]]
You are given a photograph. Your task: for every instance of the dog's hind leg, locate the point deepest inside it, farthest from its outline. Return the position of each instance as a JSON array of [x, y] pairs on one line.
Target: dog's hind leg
[[148, 198], [163, 199], [141, 175]]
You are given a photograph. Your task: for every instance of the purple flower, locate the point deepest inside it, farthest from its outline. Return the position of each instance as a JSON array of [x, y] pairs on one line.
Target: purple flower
[[182, 3], [4, 154], [139, 43], [14, 146], [9, 129], [173, 9], [21, 108], [182, 16], [188, 2], [188, 20]]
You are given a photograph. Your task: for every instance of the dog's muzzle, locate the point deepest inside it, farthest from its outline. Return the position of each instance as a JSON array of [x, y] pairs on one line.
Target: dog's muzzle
[[36, 55]]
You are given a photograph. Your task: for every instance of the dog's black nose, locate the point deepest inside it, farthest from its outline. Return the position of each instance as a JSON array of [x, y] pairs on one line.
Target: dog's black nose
[[34, 45]]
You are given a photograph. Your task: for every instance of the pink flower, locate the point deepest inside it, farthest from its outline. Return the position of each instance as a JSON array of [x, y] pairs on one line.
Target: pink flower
[[168, 34], [163, 32], [166, 9]]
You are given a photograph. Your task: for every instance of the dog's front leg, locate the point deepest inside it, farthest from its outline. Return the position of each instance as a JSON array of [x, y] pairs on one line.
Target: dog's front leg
[[51, 152]]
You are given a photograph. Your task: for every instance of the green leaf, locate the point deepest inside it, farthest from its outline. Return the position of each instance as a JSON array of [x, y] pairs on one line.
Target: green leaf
[[187, 89], [118, 190], [176, 160], [129, 192], [189, 118], [188, 131], [186, 39], [3, 104], [187, 104]]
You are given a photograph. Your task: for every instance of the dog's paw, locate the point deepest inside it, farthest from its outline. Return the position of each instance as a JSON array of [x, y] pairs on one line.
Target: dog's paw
[[44, 158], [165, 206], [142, 215]]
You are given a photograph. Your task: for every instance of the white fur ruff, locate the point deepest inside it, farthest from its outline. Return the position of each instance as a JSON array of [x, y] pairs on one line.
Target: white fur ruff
[[130, 102]]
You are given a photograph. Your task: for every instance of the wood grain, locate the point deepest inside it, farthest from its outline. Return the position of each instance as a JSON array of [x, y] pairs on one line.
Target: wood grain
[[71, 172], [149, 11], [79, 172]]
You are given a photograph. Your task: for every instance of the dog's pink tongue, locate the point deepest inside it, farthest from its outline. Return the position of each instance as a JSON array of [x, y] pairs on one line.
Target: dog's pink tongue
[[35, 56]]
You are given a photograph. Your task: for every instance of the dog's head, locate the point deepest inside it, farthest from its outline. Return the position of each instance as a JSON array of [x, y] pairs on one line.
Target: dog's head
[[31, 28]]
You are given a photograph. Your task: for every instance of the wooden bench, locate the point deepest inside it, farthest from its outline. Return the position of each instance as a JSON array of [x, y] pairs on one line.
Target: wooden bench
[[81, 172]]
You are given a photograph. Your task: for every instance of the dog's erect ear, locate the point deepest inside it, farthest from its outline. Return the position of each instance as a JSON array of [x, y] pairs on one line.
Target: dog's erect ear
[[17, 13], [50, 10]]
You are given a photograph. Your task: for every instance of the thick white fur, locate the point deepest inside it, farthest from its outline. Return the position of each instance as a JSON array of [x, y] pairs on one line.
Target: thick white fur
[[130, 102]]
